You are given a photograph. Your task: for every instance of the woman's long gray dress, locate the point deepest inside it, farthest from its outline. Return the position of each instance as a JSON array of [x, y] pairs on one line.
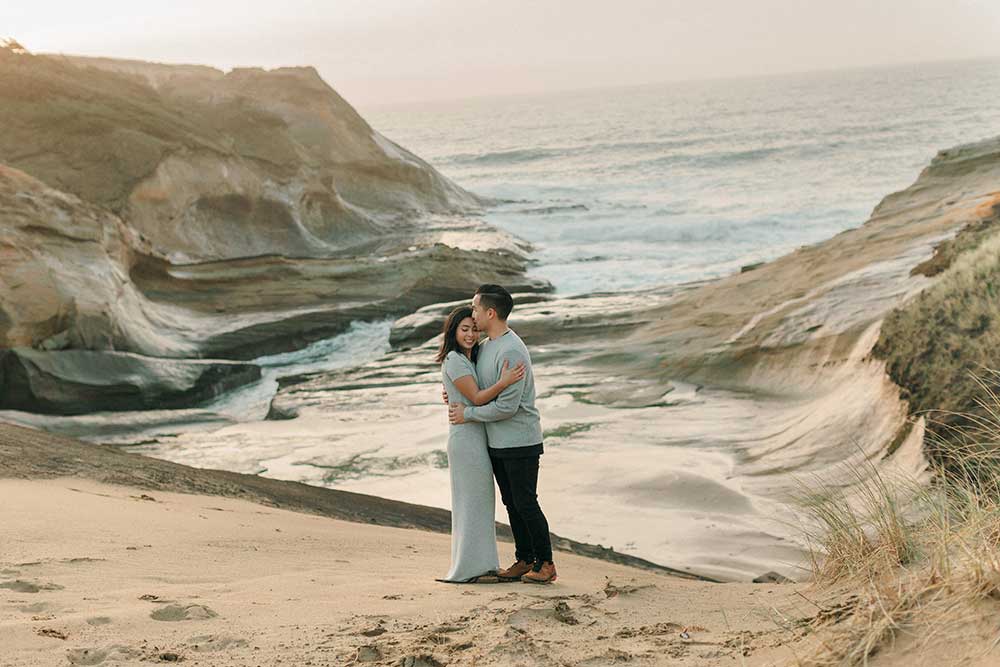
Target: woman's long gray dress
[[473, 500]]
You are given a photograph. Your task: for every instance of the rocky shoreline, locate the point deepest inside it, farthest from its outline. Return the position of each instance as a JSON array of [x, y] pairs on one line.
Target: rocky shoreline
[[158, 216]]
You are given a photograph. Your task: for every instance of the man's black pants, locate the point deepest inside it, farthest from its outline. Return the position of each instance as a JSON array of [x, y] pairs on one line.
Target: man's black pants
[[518, 482]]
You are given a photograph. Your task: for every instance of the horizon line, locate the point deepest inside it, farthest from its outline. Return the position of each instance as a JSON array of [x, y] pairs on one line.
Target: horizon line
[[665, 82], [534, 93]]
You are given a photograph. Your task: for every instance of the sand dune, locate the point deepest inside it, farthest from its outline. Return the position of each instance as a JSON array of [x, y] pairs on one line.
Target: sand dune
[[96, 574]]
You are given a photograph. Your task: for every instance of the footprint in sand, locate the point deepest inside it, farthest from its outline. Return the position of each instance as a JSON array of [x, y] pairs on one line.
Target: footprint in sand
[[421, 661], [368, 654], [22, 586], [96, 656], [539, 614], [51, 632], [611, 589], [177, 612], [437, 640], [35, 608], [212, 643], [609, 657]]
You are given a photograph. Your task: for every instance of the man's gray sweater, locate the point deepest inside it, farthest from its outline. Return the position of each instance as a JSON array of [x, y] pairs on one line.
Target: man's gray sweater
[[512, 419]]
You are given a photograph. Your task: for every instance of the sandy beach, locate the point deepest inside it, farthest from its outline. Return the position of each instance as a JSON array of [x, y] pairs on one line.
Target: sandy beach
[[92, 573]]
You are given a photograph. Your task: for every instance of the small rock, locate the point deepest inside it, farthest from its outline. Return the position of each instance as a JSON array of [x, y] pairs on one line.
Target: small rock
[[772, 578]]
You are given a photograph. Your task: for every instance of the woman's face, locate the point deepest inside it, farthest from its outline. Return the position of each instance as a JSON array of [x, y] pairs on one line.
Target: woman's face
[[467, 335]]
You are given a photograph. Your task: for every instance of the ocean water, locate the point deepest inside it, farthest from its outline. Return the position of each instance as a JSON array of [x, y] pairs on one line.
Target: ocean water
[[363, 342], [634, 187]]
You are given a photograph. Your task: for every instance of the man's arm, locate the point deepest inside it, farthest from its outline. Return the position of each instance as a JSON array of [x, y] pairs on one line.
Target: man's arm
[[506, 404]]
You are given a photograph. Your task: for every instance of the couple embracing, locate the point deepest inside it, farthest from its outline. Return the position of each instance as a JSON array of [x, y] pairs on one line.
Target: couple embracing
[[495, 433]]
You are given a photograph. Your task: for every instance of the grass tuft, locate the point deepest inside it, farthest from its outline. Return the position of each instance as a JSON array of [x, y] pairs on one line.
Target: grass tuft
[[903, 562]]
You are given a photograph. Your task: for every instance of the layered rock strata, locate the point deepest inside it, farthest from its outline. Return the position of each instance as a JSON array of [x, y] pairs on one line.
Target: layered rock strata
[[154, 212]]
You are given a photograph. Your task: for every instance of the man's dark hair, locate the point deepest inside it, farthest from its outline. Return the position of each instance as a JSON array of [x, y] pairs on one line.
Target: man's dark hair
[[497, 298]]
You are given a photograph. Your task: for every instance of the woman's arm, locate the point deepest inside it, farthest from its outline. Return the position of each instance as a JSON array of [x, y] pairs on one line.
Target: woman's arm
[[477, 396]]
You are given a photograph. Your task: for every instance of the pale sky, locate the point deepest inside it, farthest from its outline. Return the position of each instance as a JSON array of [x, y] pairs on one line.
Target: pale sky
[[377, 52]]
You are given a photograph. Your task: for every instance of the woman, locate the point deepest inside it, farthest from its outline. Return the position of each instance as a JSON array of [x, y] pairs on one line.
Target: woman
[[473, 531]]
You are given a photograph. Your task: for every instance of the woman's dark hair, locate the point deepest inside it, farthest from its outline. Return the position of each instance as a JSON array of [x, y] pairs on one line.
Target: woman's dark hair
[[448, 343]]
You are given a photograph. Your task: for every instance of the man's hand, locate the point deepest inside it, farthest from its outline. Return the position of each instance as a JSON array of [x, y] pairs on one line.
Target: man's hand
[[456, 413], [444, 395]]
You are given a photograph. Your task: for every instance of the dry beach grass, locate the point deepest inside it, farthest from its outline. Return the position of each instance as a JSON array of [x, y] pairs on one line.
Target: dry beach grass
[[911, 573]]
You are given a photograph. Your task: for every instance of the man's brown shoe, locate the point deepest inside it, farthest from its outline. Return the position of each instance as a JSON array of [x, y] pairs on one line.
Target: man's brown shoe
[[515, 571], [541, 573]]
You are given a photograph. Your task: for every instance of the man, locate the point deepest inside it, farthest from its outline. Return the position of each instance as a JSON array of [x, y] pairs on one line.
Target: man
[[514, 435]]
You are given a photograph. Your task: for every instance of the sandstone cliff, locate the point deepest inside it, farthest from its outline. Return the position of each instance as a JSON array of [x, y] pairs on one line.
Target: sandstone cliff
[[178, 213], [209, 165]]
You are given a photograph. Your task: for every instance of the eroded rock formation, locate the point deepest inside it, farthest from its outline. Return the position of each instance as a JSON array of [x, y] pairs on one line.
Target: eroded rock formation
[[180, 212]]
